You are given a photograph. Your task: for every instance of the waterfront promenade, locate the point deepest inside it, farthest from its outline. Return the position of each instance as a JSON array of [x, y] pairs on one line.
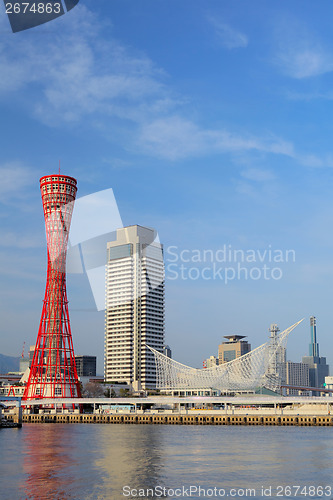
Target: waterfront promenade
[[242, 410], [179, 419]]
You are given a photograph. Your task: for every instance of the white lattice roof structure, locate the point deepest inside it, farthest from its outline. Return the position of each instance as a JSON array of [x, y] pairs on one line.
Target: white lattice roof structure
[[246, 373]]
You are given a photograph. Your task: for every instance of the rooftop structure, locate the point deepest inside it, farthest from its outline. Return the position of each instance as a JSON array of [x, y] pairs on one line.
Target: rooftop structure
[[234, 338], [233, 348]]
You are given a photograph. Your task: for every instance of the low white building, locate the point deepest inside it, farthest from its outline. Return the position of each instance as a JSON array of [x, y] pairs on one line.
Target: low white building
[[329, 382], [210, 362], [13, 384]]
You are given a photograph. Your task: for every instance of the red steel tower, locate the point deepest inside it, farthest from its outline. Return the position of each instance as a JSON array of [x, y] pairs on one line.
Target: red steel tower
[[53, 370]]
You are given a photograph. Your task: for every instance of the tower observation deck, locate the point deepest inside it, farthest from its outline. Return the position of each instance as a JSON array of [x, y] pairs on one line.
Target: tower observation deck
[[53, 370]]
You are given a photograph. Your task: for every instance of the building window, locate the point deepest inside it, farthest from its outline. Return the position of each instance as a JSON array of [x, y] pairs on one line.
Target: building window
[[229, 355]]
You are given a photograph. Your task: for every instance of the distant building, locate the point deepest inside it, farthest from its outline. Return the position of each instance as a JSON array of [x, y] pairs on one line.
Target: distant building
[[297, 374], [11, 385], [16, 391], [31, 354], [86, 366], [210, 362], [24, 364], [167, 351], [329, 383], [318, 369], [233, 348]]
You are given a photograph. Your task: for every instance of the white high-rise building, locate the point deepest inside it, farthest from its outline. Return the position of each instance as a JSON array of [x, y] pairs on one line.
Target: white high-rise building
[[134, 315]]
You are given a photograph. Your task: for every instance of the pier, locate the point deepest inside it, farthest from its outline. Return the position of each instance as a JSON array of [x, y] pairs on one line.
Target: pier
[[198, 419], [170, 410], [10, 412]]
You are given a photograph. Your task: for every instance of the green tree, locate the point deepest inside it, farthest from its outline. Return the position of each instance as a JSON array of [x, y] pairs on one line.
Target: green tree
[[124, 393], [110, 393]]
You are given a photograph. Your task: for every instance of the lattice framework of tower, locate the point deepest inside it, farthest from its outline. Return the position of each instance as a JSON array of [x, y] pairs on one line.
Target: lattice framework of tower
[[53, 369], [246, 373]]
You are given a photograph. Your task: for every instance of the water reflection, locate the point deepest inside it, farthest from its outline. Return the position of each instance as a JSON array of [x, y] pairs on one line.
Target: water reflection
[[131, 456], [248, 457], [96, 462], [48, 462], [89, 461]]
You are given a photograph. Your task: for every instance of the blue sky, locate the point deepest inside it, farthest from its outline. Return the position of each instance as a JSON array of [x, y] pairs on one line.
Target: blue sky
[[212, 122]]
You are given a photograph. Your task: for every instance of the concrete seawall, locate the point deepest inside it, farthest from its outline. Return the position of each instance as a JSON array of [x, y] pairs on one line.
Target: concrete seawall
[[300, 420], [13, 419]]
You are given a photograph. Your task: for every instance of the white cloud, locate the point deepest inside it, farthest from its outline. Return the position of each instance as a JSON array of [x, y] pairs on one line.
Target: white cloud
[[258, 184], [300, 53], [258, 175], [172, 137], [74, 74], [227, 36], [15, 178], [21, 265], [308, 96], [11, 240], [78, 76], [303, 62], [175, 137]]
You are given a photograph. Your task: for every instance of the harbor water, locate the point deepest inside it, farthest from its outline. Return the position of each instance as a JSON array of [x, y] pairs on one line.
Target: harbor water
[[78, 461]]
